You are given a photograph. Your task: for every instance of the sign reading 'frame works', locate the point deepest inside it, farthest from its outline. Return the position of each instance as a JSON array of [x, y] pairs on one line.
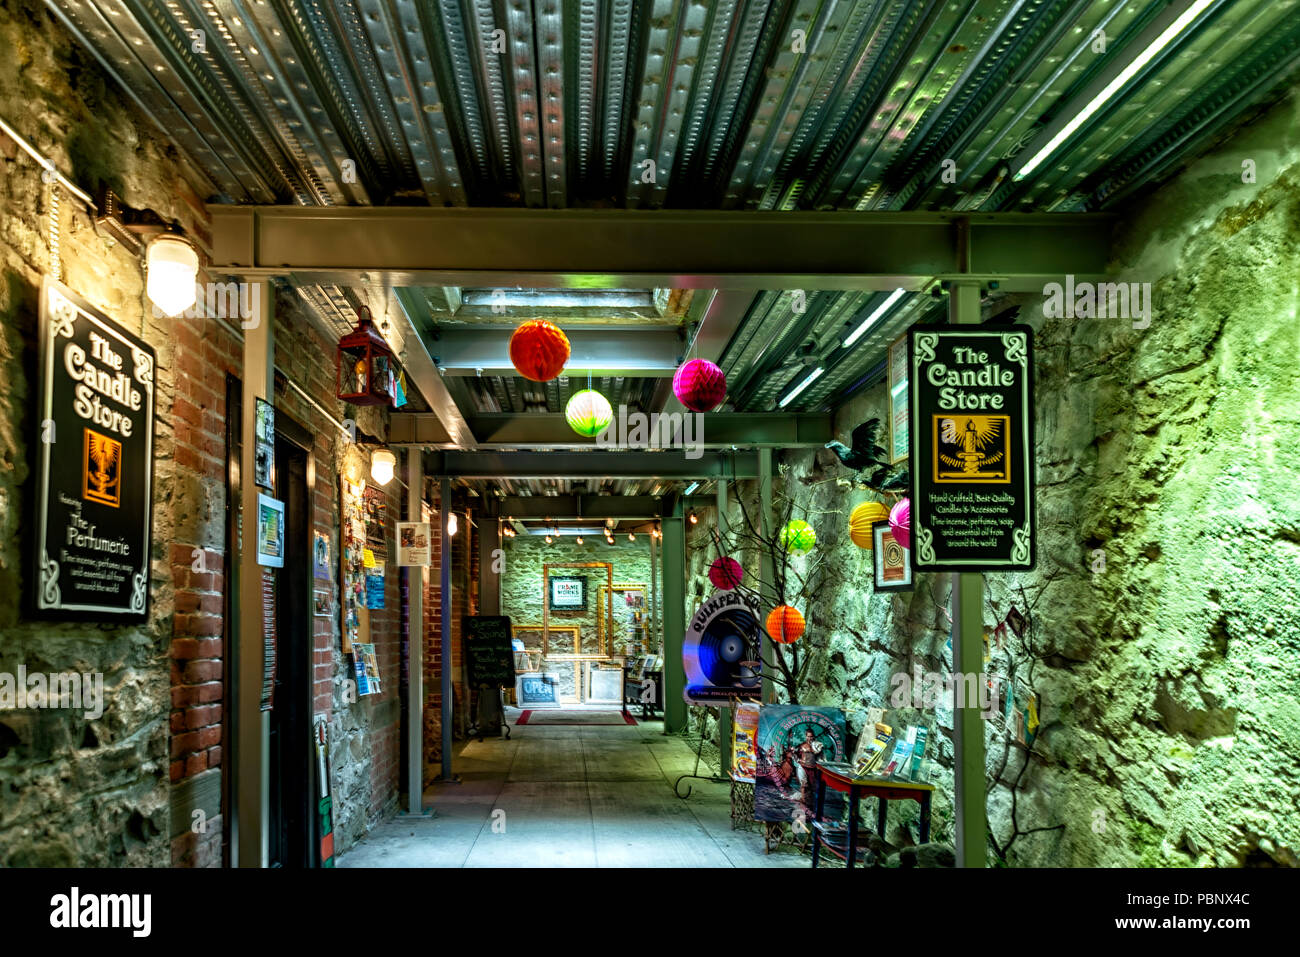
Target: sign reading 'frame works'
[[94, 494], [972, 448]]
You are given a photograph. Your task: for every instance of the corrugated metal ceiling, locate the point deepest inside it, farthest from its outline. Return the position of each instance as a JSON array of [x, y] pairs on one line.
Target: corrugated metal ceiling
[[744, 104]]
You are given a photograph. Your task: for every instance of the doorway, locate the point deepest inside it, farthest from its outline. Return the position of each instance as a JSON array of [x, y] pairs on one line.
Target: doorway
[[292, 839]]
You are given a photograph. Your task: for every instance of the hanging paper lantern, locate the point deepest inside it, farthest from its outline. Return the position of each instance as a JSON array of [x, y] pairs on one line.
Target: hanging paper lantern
[[539, 350], [699, 385], [725, 573], [900, 523], [785, 624], [588, 413], [798, 537], [862, 518]]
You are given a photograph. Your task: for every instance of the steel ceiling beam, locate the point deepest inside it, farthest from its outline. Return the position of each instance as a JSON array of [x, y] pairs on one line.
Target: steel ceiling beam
[[584, 506], [600, 351], [682, 248], [667, 465], [549, 430]]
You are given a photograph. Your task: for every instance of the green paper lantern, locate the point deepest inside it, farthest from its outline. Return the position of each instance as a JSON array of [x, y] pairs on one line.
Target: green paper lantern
[[588, 413], [798, 537]]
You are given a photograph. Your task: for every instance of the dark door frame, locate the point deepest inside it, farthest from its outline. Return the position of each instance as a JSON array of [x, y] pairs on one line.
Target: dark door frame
[[293, 755]]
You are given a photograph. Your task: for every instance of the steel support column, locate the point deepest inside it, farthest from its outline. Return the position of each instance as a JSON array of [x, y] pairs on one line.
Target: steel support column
[[417, 579], [724, 712], [674, 616], [252, 732], [489, 569], [766, 571], [968, 659], [444, 606]]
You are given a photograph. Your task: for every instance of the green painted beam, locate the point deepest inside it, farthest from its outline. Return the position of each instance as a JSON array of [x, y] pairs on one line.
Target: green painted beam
[[539, 430], [693, 249], [672, 551], [583, 506], [665, 465]]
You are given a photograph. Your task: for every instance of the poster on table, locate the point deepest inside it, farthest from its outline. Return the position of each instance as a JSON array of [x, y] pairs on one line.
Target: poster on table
[[744, 750], [972, 460], [414, 544], [720, 651], [94, 488], [792, 741]]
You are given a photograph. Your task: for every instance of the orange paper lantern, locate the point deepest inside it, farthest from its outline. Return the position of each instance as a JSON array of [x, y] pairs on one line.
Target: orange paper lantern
[[862, 518], [785, 624], [539, 350]]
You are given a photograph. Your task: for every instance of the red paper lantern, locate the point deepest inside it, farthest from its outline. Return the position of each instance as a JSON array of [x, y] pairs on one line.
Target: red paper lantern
[[539, 350], [725, 573], [365, 370], [785, 624], [699, 385]]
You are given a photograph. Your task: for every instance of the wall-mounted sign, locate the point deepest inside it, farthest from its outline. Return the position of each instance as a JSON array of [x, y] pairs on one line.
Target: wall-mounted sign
[[264, 451], [94, 493], [270, 531], [414, 543], [898, 419], [972, 448], [568, 594]]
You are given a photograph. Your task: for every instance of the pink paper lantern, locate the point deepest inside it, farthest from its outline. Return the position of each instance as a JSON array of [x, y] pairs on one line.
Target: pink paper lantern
[[900, 523], [725, 573], [699, 385]]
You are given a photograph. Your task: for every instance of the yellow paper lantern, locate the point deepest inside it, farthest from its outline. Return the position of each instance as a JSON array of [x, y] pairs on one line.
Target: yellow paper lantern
[[862, 518]]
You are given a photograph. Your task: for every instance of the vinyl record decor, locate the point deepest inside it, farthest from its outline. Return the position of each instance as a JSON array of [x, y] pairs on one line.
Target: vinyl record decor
[[862, 518], [798, 537], [588, 413], [699, 385], [539, 350], [725, 573], [720, 650]]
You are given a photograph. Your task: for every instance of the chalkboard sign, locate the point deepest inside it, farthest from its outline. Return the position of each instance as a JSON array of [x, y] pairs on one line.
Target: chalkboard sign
[[972, 448], [489, 657]]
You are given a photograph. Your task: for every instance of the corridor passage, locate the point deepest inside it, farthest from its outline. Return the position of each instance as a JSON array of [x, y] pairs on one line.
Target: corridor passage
[[581, 796]]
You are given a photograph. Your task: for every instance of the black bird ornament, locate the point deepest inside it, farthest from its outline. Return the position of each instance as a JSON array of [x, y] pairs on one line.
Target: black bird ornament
[[866, 457]]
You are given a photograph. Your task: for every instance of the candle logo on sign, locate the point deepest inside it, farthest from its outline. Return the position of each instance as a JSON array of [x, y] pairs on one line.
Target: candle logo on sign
[[974, 447]]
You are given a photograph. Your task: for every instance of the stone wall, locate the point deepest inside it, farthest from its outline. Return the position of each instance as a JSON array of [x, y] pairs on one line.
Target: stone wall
[[123, 789], [1167, 642], [522, 587]]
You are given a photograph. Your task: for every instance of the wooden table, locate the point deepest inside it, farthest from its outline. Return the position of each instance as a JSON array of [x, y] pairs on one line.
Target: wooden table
[[883, 789]]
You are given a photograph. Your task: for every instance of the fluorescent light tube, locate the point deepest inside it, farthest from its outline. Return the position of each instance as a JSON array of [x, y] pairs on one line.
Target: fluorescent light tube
[[872, 319], [690, 489], [1113, 87], [812, 377]]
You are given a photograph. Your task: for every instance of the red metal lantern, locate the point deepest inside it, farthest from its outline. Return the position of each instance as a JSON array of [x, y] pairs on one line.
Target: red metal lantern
[[365, 368]]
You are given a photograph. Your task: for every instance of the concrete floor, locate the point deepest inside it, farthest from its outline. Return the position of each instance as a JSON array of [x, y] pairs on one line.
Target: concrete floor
[[571, 797]]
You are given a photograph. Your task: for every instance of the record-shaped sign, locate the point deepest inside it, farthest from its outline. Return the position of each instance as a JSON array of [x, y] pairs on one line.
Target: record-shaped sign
[[720, 651]]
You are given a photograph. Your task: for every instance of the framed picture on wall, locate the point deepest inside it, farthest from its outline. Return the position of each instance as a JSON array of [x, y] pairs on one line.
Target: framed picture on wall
[[899, 433], [568, 593], [889, 559]]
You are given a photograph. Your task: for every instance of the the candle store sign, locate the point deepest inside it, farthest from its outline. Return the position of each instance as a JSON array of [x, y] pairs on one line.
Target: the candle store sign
[[94, 498], [972, 448]]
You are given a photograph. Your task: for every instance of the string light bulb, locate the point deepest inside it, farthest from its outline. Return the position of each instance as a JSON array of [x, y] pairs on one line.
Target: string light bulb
[[694, 519], [578, 540]]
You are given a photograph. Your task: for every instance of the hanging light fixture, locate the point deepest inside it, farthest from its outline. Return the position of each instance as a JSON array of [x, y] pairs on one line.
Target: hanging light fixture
[[382, 463], [631, 537], [365, 369], [693, 518], [548, 539], [173, 268], [578, 540], [451, 523]]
